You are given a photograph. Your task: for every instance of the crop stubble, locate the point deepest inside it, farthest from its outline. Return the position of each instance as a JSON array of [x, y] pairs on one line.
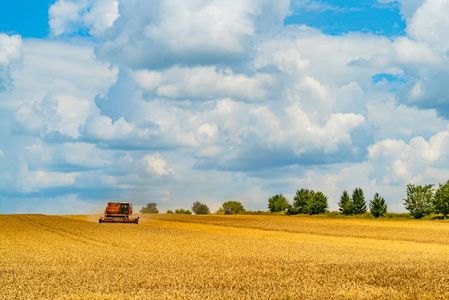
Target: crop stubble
[[237, 257]]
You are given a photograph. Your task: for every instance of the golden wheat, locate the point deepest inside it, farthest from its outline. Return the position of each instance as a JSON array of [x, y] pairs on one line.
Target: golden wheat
[[222, 257]]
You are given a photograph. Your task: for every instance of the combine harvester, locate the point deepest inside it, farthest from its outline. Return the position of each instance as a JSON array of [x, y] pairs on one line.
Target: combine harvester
[[118, 212]]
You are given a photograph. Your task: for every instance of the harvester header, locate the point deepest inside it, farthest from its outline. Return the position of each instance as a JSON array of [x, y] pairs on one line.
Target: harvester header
[[118, 212]]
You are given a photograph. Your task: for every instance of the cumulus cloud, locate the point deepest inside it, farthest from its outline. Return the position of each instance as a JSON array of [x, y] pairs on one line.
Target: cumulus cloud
[[51, 117], [10, 51], [429, 24], [69, 16], [205, 83], [35, 119], [396, 162], [421, 56], [397, 120], [165, 33], [61, 69], [9, 48], [120, 133], [403, 53], [157, 164]]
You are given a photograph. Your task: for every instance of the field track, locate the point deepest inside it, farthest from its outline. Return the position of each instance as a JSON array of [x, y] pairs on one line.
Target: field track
[[222, 257]]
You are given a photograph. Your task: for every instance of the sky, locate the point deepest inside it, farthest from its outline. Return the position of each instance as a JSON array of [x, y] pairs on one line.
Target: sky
[[180, 101]]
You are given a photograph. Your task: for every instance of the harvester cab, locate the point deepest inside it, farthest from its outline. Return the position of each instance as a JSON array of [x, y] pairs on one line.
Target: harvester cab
[[118, 212]]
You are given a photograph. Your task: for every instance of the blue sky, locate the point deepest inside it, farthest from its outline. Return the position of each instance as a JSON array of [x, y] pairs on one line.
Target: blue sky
[[340, 17], [25, 17], [178, 101]]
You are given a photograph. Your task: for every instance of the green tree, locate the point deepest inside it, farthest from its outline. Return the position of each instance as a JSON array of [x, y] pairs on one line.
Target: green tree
[[150, 209], [317, 204], [358, 200], [441, 199], [300, 201], [278, 203], [183, 211], [200, 209], [169, 211], [235, 206], [378, 206], [345, 204], [419, 200]]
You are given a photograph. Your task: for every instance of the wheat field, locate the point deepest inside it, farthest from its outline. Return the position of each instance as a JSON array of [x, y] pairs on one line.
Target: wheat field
[[222, 257]]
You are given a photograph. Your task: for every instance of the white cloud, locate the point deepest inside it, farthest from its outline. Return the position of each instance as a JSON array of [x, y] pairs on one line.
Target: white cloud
[[35, 119], [42, 179], [61, 14], [208, 132], [9, 48], [205, 83], [429, 24], [101, 128], [396, 162], [101, 15], [58, 69], [10, 51], [289, 61], [69, 157], [328, 59], [392, 119], [310, 136], [409, 7], [157, 164], [68, 16], [165, 33], [49, 115], [404, 53]]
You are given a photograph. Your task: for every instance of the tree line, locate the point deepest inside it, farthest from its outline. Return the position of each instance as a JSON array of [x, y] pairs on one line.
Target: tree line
[[197, 208], [421, 200], [424, 200], [310, 202]]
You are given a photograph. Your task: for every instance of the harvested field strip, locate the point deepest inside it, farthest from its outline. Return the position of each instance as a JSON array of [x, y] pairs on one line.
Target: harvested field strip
[[62, 232], [435, 232], [277, 235]]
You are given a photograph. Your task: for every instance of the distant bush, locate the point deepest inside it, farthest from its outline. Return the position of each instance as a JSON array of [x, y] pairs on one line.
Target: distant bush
[[235, 206], [308, 202], [278, 203], [150, 209], [317, 204], [419, 200], [169, 211], [182, 211], [200, 209], [220, 211], [256, 212], [300, 201], [441, 199], [397, 215]]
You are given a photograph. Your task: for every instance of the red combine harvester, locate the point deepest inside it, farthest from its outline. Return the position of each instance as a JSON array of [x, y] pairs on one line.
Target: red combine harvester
[[118, 212]]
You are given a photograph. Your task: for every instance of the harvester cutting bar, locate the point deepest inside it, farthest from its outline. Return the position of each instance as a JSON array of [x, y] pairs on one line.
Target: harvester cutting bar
[[118, 220]]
